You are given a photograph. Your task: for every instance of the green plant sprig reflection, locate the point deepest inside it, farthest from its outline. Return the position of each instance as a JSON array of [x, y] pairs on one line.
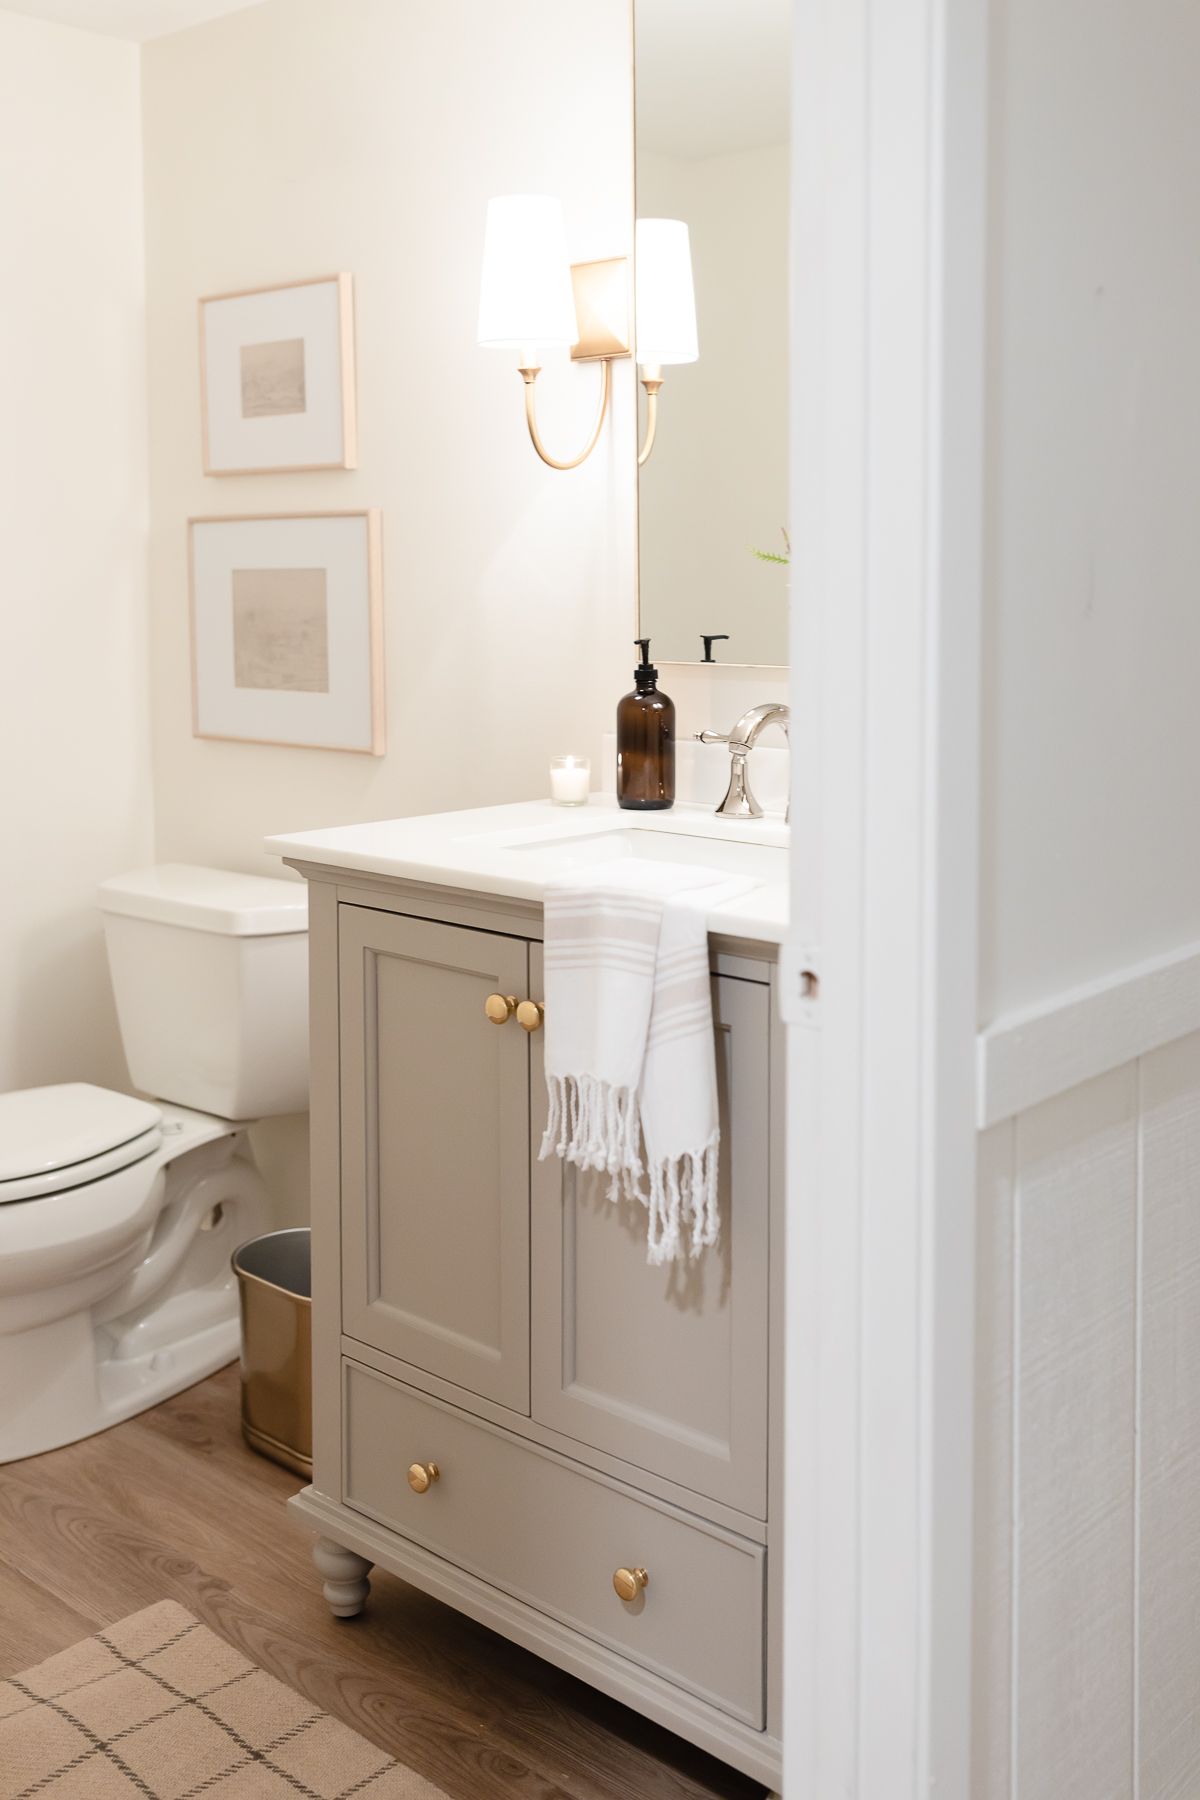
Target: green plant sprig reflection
[[776, 556]]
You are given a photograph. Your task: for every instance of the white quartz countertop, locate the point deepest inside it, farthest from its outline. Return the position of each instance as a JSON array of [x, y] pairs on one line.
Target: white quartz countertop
[[513, 851]]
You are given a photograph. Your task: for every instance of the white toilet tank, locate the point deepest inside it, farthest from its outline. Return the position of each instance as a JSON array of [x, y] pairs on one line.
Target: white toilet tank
[[210, 973]]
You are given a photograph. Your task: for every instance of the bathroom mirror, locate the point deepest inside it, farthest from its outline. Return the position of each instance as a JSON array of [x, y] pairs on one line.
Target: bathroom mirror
[[712, 124]]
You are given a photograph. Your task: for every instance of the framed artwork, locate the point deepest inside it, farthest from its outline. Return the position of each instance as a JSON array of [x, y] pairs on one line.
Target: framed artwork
[[277, 378], [287, 629]]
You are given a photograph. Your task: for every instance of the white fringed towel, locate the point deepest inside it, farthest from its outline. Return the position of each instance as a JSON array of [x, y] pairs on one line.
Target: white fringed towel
[[629, 1040]]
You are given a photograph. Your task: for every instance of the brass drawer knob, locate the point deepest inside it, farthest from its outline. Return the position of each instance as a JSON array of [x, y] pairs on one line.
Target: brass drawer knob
[[421, 1476], [628, 1583], [500, 1007], [530, 1014]]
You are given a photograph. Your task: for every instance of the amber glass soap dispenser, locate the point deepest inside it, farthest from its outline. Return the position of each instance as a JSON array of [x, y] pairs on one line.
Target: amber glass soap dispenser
[[645, 742]]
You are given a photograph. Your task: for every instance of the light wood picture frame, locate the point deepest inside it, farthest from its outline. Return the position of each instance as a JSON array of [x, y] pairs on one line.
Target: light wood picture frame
[[277, 378], [286, 619]]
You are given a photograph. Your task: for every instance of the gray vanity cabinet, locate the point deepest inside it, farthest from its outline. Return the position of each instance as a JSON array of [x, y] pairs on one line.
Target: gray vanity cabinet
[[435, 1151], [666, 1367], [511, 1408]]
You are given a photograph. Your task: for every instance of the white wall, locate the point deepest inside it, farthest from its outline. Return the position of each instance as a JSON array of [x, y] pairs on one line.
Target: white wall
[[75, 791], [306, 136], [1091, 859]]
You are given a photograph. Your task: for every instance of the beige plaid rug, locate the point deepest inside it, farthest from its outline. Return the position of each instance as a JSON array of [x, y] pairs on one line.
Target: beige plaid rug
[[158, 1705]]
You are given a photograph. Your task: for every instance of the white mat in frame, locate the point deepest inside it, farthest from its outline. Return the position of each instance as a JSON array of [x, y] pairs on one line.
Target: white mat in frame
[[277, 382], [287, 629]]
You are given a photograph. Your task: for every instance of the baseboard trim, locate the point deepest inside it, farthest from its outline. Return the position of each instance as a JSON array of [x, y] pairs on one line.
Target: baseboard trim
[[1030, 1056]]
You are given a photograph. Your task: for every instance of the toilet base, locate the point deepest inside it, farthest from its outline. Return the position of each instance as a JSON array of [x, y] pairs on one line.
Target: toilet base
[[73, 1390], [176, 1312]]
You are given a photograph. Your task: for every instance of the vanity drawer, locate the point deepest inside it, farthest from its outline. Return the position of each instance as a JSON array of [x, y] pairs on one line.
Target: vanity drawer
[[553, 1535]]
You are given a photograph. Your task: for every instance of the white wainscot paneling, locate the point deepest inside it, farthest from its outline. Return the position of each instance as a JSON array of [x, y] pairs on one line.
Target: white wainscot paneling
[[1168, 1618], [1027, 1057], [1074, 1356], [991, 1663], [1087, 1453]]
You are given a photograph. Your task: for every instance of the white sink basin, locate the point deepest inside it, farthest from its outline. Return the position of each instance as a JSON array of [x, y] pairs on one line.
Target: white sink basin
[[762, 862]]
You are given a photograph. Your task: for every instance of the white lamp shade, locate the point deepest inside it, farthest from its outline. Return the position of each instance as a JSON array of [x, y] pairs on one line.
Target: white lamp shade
[[526, 298], [664, 295]]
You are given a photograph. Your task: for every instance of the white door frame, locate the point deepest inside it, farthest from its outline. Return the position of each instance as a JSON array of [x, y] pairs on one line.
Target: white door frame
[[887, 378]]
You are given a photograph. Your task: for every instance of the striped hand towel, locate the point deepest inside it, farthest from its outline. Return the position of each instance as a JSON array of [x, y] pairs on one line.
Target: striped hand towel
[[630, 1054]]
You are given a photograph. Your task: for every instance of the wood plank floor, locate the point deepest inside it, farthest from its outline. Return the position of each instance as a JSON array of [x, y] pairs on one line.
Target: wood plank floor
[[171, 1505]]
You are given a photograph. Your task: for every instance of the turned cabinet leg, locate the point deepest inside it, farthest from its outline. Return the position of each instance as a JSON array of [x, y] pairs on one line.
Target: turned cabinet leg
[[344, 1573]]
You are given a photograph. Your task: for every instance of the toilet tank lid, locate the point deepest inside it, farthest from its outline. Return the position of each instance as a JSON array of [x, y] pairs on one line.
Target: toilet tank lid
[[218, 900]]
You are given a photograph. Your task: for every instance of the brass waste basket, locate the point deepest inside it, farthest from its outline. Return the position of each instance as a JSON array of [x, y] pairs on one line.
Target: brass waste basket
[[275, 1296]]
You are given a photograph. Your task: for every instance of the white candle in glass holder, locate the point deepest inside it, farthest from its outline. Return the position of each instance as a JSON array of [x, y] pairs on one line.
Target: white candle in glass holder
[[570, 780]]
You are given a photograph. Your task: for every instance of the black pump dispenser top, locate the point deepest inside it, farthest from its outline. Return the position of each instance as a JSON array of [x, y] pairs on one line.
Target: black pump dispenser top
[[645, 676]]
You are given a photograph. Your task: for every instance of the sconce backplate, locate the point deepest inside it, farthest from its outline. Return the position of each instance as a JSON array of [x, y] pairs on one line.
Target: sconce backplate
[[601, 309]]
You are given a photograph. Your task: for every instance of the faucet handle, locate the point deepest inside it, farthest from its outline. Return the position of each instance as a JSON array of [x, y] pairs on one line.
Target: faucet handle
[[711, 737]]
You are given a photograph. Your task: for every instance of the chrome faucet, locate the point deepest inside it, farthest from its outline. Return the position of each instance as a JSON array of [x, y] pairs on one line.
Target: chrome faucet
[[739, 801]]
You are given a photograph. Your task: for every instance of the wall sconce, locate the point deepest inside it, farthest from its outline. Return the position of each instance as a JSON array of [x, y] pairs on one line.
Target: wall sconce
[[665, 309], [531, 297]]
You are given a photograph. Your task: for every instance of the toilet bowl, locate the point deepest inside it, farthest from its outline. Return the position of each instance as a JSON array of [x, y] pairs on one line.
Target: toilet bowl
[[118, 1215]]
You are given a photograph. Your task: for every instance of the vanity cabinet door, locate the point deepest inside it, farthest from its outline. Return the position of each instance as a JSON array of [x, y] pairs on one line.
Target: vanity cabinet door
[[435, 1151], [663, 1367]]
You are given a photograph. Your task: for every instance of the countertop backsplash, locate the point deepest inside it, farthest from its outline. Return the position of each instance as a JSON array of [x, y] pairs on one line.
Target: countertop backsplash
[[702, 772]]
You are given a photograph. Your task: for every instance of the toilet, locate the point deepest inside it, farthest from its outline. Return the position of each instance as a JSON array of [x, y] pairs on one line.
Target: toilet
[[118, 1215]]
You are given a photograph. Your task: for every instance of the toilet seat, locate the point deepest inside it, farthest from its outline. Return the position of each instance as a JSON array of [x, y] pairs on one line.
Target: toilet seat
[[56, 1138]]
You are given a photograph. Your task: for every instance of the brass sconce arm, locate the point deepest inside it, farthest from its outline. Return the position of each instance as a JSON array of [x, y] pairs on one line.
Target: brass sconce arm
[[600, 297], [529, 374], [652, 380]]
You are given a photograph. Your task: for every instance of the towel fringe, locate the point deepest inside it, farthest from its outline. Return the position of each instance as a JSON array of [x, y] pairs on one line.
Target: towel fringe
[[594, 1125], [683, 1192]]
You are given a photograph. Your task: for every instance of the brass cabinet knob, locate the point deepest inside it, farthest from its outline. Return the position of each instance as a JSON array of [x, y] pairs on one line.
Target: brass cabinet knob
[[628, 1583], [421, 1476], [500, 1007], [530, 1014]]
